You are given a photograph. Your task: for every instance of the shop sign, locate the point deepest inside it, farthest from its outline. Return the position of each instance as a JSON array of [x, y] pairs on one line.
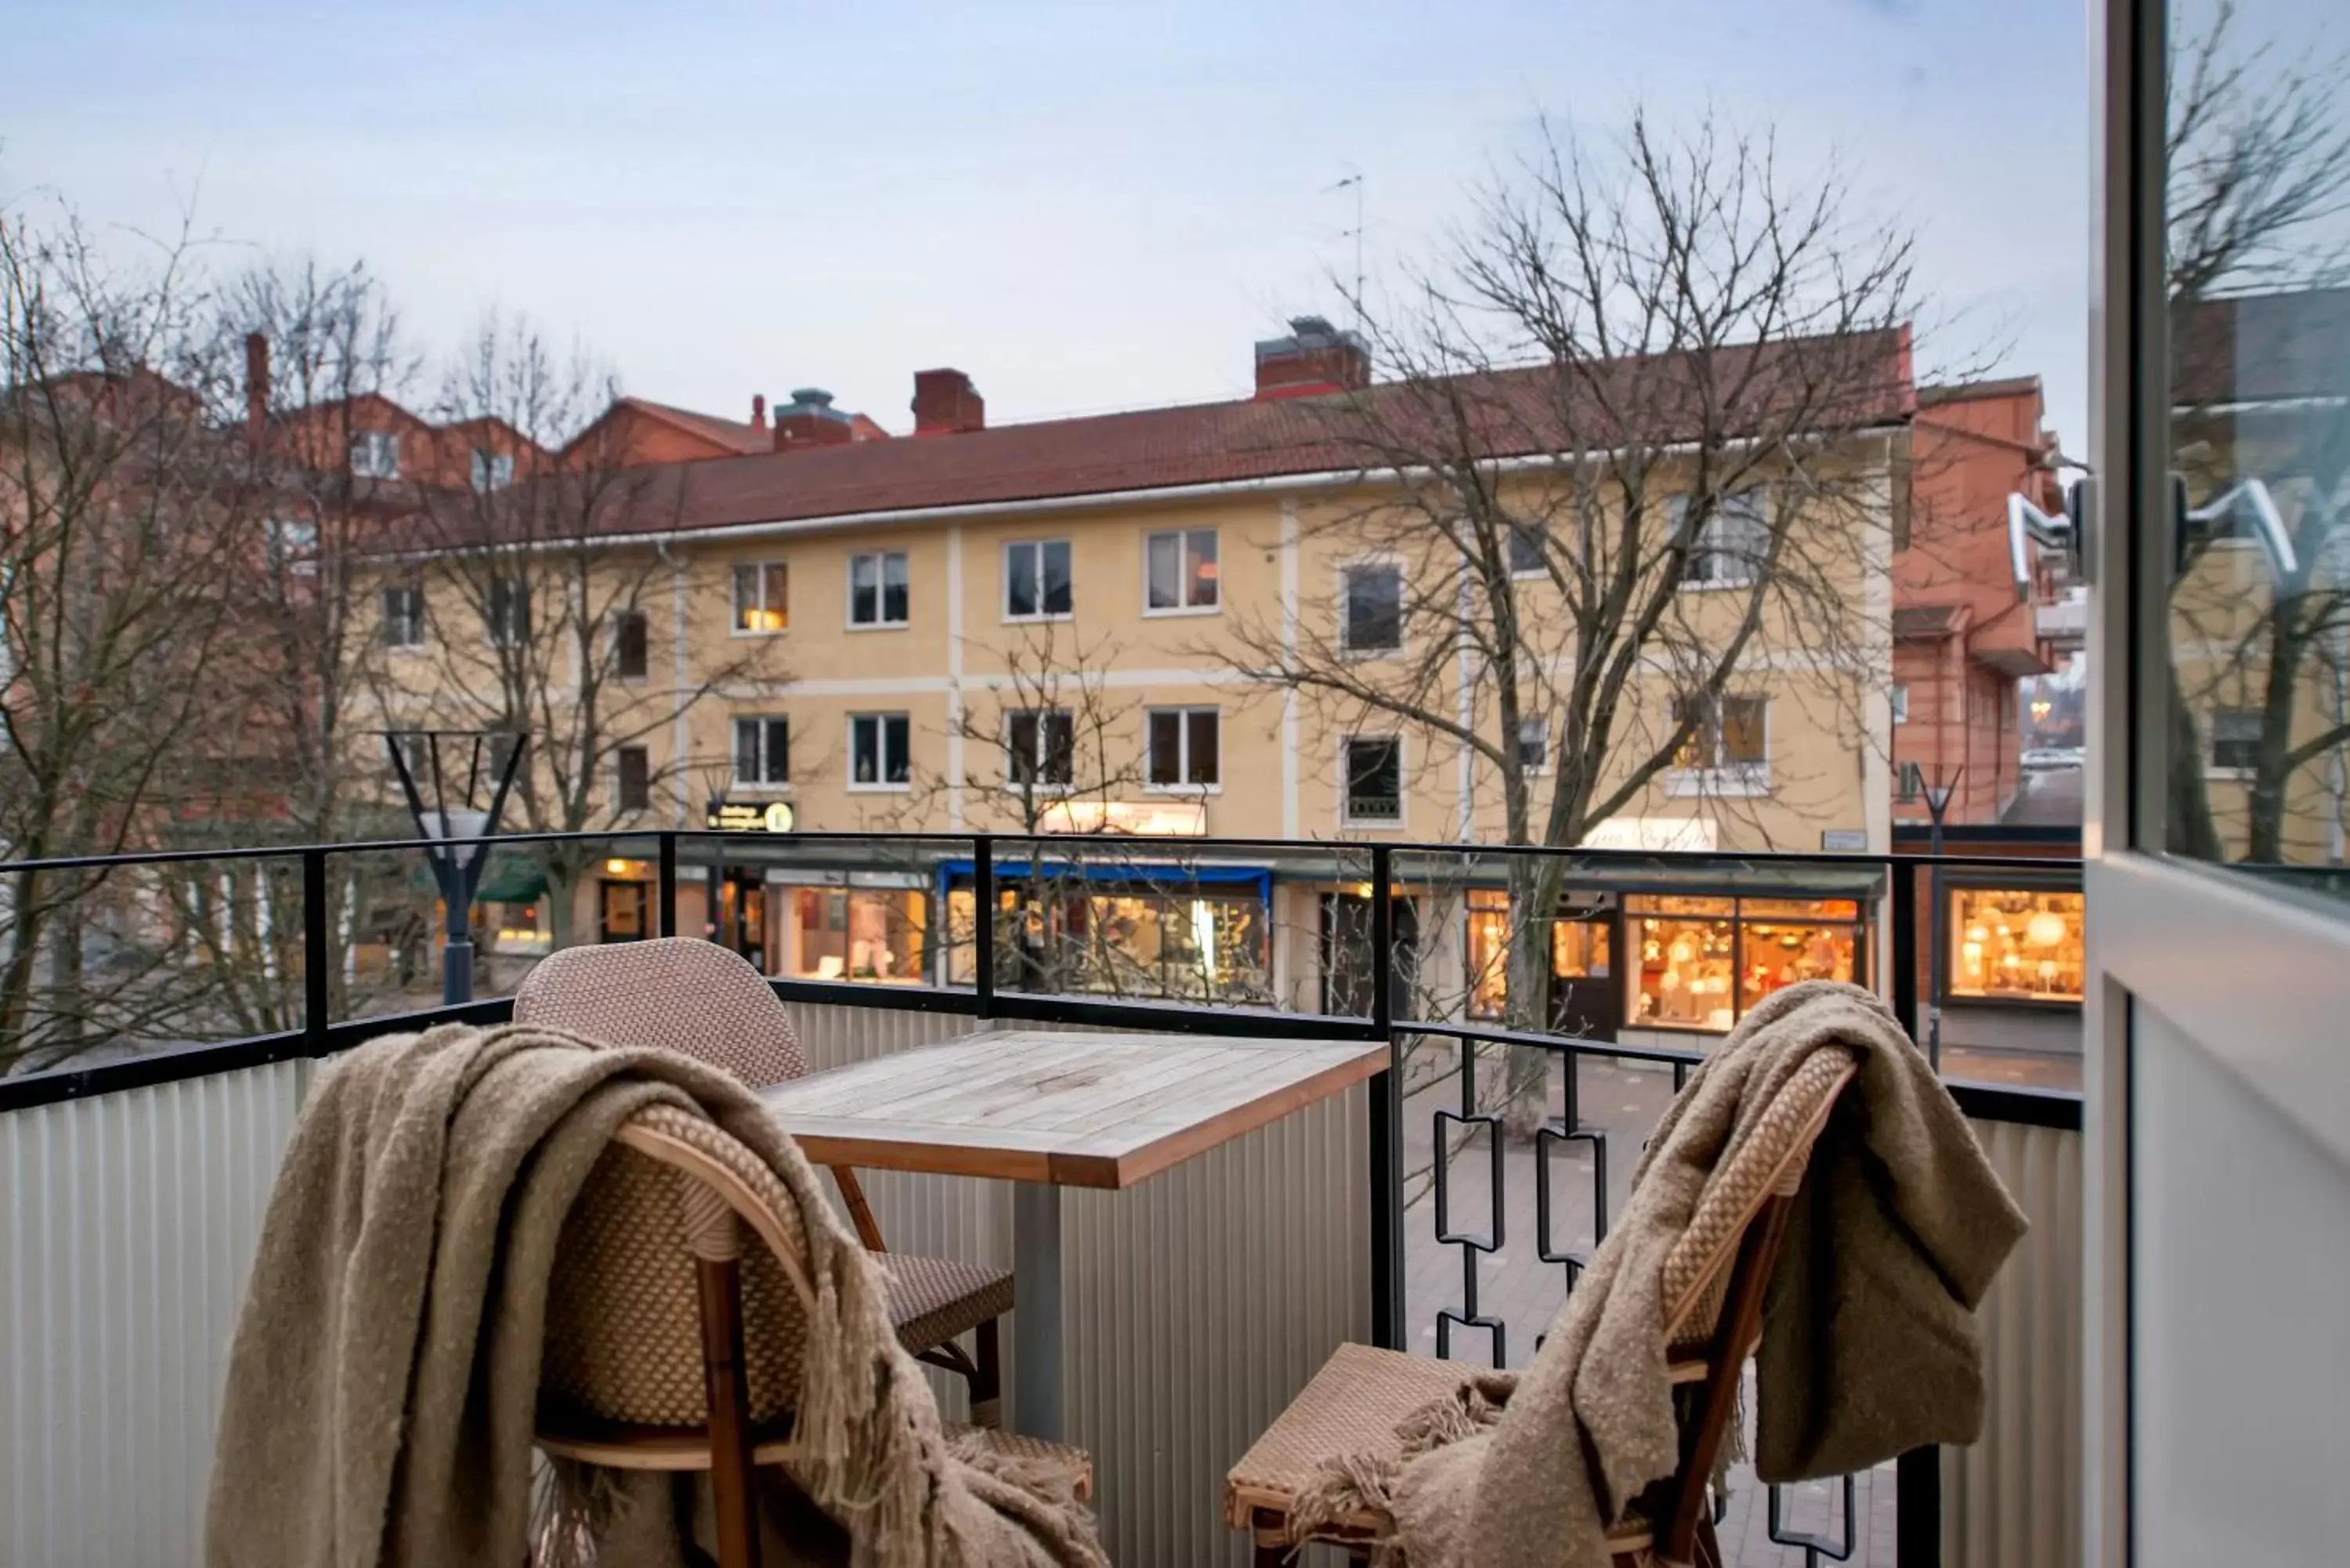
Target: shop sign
[[750, 815], [1140, 819], [1682, 833]]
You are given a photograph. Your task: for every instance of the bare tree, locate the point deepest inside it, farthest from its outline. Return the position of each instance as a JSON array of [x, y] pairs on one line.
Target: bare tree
[[545, 624], [1627, 452], [2258, 193], [121, 518]]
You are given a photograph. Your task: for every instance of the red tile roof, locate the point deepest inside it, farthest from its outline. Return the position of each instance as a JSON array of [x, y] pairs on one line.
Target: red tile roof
[[1209, 443], [732, 434]]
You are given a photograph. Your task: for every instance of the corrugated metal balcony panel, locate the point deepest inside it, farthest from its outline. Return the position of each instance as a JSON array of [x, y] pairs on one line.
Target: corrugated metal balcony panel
[[127, 1225]]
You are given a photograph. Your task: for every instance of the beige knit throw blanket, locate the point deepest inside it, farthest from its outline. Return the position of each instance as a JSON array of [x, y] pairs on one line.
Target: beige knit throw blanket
[[1869, 1344], [382, 1385]]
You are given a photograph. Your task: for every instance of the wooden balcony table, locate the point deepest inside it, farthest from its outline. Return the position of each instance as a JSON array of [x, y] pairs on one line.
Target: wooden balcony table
[[1049, 1110]]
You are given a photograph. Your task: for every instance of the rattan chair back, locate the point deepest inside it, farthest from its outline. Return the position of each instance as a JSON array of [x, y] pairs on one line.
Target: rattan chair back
[[677, 993]]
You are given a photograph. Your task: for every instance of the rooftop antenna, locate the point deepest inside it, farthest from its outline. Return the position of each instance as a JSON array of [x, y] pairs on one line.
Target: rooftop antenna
[[1355, 182]]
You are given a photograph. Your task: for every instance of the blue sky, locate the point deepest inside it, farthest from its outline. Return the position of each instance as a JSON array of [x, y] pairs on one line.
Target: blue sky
[[1086, 207]]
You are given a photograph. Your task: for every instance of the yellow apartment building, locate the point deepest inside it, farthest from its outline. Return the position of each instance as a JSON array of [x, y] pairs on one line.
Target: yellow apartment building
[[1060, 627]]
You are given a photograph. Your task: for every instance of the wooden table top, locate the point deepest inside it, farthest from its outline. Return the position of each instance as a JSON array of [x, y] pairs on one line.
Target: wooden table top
[[1076, 1110]]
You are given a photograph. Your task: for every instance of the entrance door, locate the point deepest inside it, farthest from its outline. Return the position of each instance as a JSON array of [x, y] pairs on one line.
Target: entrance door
[[1584, 998], [1347, 955], [2218, 1189], [742, 916]]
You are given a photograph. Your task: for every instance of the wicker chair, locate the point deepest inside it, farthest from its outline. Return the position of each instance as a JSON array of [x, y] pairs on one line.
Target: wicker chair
[[1715, 1278], [704, 1001], [669, 1345]]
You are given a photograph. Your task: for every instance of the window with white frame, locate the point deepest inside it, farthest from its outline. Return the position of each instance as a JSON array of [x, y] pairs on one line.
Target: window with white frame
[[1182, 744], [876, 588], [403, 616], [1527, 550], [2236, 742], [762, 596], [1533, 745], [1901, 701], [1179, 570], [491, 469], [877, 745], [293, 545], [1371, 607], [633, 770], [1731, 543], [631, 637], [1040, 747], [763, 751], [1728, 735], [506, 612], [1374, 778], [1036, 583], [375, 454]]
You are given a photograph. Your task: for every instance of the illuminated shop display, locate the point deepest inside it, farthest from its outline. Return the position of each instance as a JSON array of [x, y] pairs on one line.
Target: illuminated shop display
[[1704, 960], [2015, 943]]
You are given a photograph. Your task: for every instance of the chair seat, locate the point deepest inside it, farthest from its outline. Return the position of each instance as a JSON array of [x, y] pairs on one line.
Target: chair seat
[[934, 1300], [640, 1447], [1353, 1406]]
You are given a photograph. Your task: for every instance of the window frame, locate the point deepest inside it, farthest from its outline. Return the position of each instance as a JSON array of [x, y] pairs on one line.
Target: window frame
[[764, 783], [1536, 538], [620, 755], [1897, 699], [881, 719], [1346, 776], [1183, 578], [1184, 783], [1717, 777], [762, 566], [2243, 771], [385, 442], [1043, 718], [1540, 769], [490, 471], [882, 559], [1006, 575], [499, 631], [621, 621], [1677, 516], [414, 594], [1347, 571]]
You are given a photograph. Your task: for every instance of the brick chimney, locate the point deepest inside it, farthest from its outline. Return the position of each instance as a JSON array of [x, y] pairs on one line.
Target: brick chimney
[[257, 386], [810, 419], [758, 410], [1316, 358], [946, 404]]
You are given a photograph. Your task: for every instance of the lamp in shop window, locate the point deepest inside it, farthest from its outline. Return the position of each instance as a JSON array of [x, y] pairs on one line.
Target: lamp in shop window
[[455, 768], [2045, 929]]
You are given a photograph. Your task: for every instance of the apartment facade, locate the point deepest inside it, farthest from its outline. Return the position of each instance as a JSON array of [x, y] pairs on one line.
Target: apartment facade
[[1050, 627]]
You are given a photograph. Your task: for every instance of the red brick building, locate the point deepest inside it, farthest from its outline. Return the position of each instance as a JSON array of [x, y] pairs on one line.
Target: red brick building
[[1962, 637]]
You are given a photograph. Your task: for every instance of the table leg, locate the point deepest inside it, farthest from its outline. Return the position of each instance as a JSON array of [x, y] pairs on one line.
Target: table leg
[[1036, 1313]]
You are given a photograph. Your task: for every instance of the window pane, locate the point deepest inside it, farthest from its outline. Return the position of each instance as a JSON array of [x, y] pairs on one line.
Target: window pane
[[629, 645], [1165, 731], [864, 748], [1058, 594], [1684, 976], [1020, 746], [898, 766], [893, 586], [778, 757], [1203, 722], [1525, 548], [1533, 744], [746, 751], [1019, 579], [1374, 609], [864, 589], [635, 778], [1201, 574], [1743, 742], [1772, 955], [2022, 943], [1060, 757], [1164, 554], [1698, 750], [1374, 777], [746, 598]]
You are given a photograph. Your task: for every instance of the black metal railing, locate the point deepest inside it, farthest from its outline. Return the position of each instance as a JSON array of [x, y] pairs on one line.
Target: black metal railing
[[1412, 1040]]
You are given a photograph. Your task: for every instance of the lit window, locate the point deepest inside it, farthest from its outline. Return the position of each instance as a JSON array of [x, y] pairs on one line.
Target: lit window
[[2236, 742], [1036, 583], [1183, 747], [763, 751], [1374, 779], [506, 612], [1731, 543], [1040, 747], [375, 454], [634, 765], [403, 616], [762, 590], [858, 934], [1729, 734], [1181, 570], [630, 635], [1372, 621], [878, 751], [876, 588], [1533, 745], [1703, 962], [491, 469], [2016, 942]]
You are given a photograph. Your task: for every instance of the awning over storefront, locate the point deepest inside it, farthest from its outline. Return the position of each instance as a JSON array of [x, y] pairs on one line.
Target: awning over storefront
[[1117, 873], [509, 879]]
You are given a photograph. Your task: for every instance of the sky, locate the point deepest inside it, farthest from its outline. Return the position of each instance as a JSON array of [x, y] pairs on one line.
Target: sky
[[1085, 206]]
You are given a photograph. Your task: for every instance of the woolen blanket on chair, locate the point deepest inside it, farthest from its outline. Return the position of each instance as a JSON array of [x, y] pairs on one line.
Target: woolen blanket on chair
[[1869, 1344], [382, 1386]]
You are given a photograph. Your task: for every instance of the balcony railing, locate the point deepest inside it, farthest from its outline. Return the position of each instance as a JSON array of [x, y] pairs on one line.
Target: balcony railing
[[1446, 1207]]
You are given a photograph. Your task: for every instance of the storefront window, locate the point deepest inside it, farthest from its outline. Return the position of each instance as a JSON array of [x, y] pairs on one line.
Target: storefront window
[[1196, 945], [860, 933], [2022, 943], [520, 928], [1578, 951], [624, 910], [1691, 948]]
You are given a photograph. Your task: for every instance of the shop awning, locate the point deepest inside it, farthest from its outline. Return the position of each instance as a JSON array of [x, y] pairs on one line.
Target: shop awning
[[1751, 878], [512, 879], [1116, 871]]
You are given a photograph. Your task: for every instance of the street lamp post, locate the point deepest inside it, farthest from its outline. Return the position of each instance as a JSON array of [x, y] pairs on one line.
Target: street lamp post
[[462, 830], [1937, 804]]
